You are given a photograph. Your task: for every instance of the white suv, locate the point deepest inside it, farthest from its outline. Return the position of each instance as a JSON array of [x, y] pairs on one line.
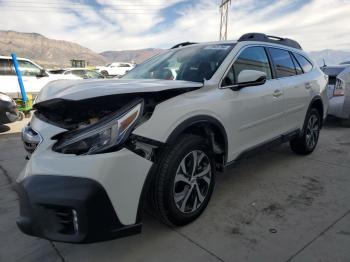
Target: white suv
[[100, 148], [115, 69], [34, 77]]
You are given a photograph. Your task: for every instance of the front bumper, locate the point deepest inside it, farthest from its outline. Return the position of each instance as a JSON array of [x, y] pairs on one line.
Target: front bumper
[[121, 175], [68, 209]]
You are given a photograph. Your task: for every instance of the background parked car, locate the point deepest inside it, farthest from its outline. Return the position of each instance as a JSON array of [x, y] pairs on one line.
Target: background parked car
[[79, 72], [8, 109], [115, 69], [34, 76], [339, 92]]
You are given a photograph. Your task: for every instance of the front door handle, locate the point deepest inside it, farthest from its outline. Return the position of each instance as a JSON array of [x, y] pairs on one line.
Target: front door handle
[[277, 93]]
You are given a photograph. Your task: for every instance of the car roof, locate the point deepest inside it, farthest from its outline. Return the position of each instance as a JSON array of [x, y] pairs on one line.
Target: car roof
[[10, 57], [246, 43]]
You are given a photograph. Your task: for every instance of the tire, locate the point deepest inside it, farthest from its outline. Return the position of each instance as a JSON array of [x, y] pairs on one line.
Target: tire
[[172, 184], [105, 73], [306, 143], [21, 116]]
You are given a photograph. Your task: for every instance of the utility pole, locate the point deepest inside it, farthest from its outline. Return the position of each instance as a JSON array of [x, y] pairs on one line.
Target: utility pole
[[224, 18]]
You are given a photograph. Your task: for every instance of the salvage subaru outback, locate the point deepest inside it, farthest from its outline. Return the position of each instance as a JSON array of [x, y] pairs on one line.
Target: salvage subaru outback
[[100, 148]]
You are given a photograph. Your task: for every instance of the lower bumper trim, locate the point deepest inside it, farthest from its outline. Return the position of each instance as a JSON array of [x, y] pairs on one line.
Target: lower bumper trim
[[68, 209]]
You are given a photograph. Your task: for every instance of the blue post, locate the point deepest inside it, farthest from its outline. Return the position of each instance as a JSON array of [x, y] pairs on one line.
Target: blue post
[[19, 76]]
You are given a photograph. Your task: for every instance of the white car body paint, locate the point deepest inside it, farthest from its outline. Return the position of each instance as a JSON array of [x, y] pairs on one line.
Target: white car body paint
[[250, 116]]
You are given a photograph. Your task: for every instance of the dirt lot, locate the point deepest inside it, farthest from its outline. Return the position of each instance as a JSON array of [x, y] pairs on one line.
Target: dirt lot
[[275, 206]]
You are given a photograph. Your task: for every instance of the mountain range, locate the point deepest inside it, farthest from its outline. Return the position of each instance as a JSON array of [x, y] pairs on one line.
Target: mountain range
[[58, 53]]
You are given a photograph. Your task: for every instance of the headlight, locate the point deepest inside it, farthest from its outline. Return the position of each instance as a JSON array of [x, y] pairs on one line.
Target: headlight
[[101, 136], [6, 98], [339, 89]]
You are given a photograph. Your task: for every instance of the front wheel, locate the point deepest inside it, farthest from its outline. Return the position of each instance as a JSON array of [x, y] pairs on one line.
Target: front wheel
[[306, 143], [184, 181]]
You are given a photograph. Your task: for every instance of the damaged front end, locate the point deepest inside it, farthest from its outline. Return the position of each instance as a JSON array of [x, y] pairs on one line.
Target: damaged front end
[[103, 124], [87, 176]]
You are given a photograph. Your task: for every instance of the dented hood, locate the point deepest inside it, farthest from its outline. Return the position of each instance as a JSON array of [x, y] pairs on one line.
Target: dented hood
[[83, 89]]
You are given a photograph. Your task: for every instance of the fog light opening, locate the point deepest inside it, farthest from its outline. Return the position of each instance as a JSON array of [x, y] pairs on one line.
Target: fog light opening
[[75, 221]]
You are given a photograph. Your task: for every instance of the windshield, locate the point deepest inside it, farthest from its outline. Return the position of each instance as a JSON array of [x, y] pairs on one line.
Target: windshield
[[192, 63]]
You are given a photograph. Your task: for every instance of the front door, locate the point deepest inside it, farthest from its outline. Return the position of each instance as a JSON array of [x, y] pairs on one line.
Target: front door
[[257, 111]]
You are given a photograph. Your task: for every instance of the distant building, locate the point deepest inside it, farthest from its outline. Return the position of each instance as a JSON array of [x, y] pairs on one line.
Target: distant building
[[79, 63]]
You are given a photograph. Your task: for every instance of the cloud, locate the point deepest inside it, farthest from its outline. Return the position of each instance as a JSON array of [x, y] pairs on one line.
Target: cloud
[[104, 25]]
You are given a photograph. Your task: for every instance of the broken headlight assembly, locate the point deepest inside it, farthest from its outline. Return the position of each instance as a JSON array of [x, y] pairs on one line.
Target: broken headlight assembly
[[102, 136]]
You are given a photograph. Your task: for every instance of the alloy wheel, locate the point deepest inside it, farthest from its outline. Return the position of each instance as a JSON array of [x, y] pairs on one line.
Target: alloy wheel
[[192, 181], [312, 131]]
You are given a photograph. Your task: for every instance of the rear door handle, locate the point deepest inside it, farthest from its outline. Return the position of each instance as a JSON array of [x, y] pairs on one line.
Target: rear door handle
[[277, 93], [308, 85]]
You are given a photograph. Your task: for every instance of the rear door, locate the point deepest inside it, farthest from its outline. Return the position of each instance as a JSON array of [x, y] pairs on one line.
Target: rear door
[[294, 84]]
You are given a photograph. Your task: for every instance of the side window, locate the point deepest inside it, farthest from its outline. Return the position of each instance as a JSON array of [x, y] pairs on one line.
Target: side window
[[305, 64], [80, 73], [6, 67], [297, 66], [252, 58], [28, 69], [283, 62]]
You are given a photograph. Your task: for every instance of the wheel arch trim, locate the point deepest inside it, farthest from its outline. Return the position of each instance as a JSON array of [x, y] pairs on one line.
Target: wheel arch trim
[[315, 99], [199, 119]]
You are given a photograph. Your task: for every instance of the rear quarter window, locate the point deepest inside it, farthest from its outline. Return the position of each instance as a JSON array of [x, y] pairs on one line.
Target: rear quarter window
[[305, 64]]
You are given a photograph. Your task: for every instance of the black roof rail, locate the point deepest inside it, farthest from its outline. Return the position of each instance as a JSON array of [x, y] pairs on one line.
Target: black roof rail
[[182, 44], [270, 39]]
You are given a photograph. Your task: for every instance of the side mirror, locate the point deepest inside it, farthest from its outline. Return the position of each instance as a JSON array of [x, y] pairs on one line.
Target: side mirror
[[249, 78], [42, 73]]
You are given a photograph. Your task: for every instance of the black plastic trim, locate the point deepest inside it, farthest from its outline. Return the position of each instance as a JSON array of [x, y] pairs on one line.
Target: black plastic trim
[[313, 100], [196, 120], [269, 39], [183, 44], [41, 196]]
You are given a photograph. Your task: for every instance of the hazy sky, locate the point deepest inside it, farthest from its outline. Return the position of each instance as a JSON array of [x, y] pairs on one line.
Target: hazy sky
[[118, 25]]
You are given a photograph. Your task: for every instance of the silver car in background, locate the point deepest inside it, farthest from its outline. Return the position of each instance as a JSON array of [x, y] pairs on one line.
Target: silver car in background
[[339, 92]]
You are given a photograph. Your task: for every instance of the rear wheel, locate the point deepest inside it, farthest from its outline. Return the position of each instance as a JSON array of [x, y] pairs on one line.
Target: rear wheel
[[306, 144], [184, 181]]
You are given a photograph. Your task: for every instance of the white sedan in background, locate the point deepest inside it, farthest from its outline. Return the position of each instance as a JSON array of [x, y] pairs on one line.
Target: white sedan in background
[[339, 92]]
